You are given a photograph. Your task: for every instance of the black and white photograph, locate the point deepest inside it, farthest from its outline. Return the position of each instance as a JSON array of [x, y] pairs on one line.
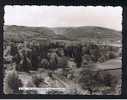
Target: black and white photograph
[[63, 50]]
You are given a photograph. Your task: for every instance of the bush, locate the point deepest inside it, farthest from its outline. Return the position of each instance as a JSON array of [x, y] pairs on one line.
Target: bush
[[100, 53], [12, 83], [95, 81], [112, 55], [87, 80], [105, 78], [37, 80]]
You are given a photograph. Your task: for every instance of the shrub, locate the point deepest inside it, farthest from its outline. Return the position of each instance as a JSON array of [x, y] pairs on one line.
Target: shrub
[[87, 80], [12, 83], [112, 55], [105, 78], [37, 80]]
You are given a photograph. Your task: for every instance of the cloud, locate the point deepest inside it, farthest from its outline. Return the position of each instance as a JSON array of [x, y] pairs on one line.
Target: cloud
[[59, 16]]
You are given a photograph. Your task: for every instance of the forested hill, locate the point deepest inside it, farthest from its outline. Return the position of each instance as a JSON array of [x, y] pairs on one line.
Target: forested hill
[[14, 32], [91, 32], [19, 33]]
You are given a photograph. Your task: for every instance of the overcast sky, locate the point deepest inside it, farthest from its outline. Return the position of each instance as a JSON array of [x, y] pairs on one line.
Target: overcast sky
[[61, 16]]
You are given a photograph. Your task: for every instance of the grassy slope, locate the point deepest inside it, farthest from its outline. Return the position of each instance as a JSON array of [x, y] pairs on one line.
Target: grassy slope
[[78, 33], [89, 32], [20, 33]]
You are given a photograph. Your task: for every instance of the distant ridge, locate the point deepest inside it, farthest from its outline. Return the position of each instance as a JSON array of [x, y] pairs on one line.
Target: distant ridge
[[14, 32], [20, 33], [92, 32]]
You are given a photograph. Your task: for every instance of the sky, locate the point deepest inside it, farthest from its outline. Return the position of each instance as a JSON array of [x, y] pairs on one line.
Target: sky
[[64, 16]]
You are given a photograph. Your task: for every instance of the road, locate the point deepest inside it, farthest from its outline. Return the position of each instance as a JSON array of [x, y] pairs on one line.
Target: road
[[110, 64], [114, 67]]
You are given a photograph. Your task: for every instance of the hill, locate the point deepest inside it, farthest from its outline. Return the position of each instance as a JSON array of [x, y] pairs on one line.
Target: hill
[[89, 32], [84, 33], [20, 33]]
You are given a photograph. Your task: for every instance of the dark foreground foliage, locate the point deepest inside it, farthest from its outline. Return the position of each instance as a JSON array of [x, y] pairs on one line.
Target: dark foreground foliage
[[64, 65]]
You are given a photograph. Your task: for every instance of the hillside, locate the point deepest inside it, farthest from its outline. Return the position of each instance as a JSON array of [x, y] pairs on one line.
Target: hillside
[[20, 33], [89, 32]]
